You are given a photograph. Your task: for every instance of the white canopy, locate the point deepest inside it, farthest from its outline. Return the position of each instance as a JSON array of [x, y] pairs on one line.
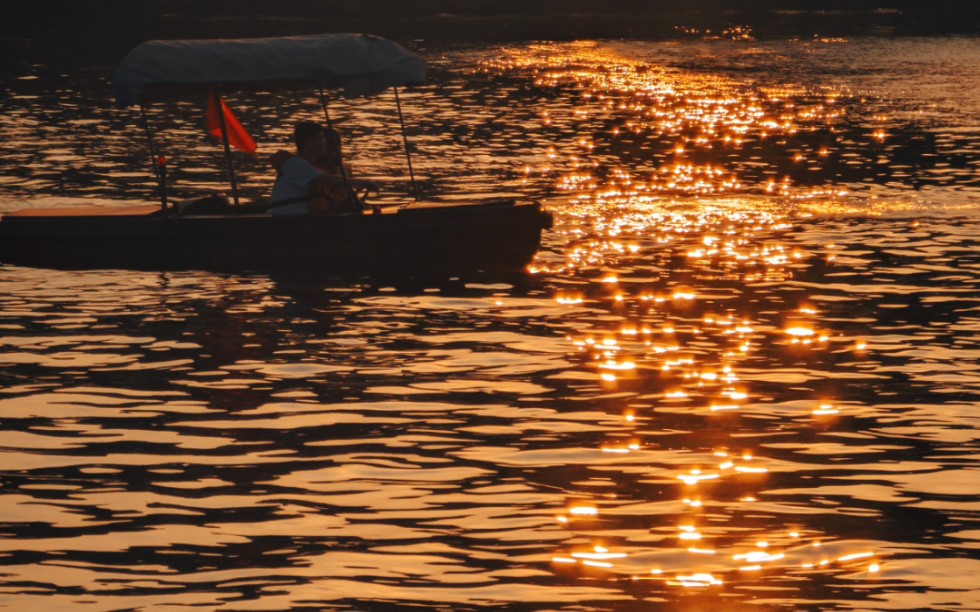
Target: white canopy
[[357, 63]]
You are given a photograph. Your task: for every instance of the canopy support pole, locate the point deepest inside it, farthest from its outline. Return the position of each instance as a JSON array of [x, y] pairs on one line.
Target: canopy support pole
[[323, 105], [408, 152], [224, 139], [154, 160], [343, 172]]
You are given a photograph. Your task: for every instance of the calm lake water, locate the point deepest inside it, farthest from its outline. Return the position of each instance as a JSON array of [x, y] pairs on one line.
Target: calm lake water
[[743, 373]]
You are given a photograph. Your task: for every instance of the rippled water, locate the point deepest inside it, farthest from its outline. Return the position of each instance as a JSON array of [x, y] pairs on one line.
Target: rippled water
[[743, 373]]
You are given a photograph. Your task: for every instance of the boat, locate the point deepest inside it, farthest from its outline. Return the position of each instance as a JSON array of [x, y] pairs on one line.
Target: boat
[[215, 232]]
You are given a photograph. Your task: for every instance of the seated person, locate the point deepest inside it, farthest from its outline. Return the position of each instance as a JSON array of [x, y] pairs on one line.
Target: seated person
[[333, 164], [315, 179]]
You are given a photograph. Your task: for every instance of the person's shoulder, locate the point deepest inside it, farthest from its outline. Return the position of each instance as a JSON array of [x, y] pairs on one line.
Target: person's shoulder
[[297, 162], [300, 167]]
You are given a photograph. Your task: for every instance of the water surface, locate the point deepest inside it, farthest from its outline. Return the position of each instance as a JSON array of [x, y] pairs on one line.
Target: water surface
[[742, 373]]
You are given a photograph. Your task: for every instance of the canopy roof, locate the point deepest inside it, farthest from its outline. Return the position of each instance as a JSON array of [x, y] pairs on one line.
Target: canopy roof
[[358, 64]]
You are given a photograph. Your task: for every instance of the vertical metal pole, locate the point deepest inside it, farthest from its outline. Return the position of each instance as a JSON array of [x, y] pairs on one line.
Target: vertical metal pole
[[224, 138], [323, 105], [408, 153], [340, 159], [161, 178]]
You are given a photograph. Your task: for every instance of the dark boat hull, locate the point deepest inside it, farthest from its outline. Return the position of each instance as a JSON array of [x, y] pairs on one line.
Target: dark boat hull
[[418, 240]]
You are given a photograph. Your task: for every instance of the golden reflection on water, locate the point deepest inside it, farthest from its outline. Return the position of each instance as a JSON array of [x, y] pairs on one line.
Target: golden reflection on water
[[676, 127], [676, 343]]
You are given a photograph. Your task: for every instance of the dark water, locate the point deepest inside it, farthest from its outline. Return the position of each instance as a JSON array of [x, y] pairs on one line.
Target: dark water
[[743, 373]]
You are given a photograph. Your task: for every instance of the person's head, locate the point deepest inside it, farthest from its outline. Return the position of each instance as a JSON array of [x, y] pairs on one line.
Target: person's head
[[309, 139]]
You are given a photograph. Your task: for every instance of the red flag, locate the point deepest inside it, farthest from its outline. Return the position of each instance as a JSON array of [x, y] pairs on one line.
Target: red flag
[[237, 136]]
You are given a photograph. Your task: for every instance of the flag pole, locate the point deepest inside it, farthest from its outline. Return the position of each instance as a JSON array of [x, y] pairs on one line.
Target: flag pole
[[408, 153], [216, 99], [159, 172]]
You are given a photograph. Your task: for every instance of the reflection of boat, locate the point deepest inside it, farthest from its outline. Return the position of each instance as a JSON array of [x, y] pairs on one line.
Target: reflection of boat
[[418, 238]]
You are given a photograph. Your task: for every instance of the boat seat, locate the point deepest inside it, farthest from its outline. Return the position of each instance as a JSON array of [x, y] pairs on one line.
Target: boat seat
[[143, 210]]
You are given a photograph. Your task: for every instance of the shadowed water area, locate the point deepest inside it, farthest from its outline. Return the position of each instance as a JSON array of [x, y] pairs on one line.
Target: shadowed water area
[[742, 374]]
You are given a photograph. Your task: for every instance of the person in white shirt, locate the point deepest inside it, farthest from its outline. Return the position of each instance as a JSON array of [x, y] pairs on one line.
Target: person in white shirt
[[303, 188]]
